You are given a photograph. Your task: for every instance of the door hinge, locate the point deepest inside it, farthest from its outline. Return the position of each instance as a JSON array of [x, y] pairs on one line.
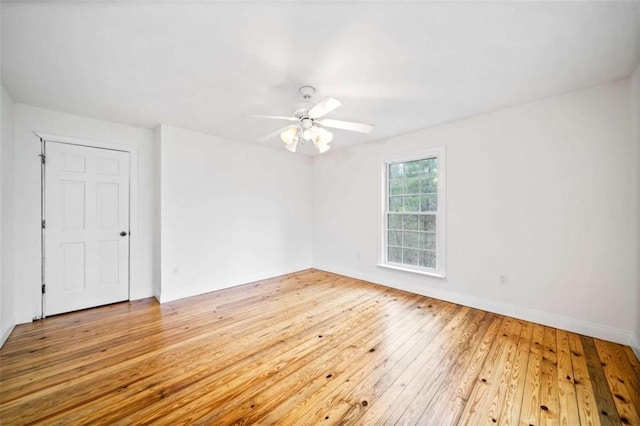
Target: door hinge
[[43, 223], [43, 158], [44, 290]]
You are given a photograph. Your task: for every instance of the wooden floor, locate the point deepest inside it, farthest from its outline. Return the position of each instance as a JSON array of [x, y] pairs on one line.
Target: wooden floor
[[311, 348]]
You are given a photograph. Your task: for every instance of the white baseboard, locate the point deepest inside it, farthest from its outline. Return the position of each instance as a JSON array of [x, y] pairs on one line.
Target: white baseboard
[[171, 296], [6, 332], [142, 293], [562, 322]]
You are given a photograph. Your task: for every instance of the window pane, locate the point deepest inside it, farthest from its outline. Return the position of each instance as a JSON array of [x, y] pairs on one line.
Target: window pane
[[412, 204], [431, 166], [429, 203], [427, 223], [428, 259], [396, 187], [428, 184], [396, 170], [411, 239], [394, 238], [395, 204], [395, 254], [395, 221], [412, 168], [413, 186], [428, 240], [423, 166], [410, 222], [410, 256]]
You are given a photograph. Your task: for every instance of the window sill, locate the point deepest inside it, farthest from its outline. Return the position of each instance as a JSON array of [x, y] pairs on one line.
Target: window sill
[[414, 271]]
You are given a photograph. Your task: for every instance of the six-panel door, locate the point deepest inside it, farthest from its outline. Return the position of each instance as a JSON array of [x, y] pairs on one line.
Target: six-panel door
[[86, 211]]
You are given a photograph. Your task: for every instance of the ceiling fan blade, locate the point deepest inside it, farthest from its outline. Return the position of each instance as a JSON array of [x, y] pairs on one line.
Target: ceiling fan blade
[[346, 125], [276, 117], [276, 133], [325, 106]]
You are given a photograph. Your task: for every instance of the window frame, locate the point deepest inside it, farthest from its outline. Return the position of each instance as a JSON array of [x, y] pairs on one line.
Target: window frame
[[440, 270]]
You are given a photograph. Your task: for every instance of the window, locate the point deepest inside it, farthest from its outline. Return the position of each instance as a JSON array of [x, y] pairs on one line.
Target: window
[[413, 222]]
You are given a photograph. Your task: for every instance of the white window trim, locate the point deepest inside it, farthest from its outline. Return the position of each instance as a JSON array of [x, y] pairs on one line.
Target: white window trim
[[440, 271]]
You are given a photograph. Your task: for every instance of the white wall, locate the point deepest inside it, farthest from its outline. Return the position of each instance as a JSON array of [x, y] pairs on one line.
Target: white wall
[[231, 212], [7, 302], [635, 129], [545, 193], [26, 199]]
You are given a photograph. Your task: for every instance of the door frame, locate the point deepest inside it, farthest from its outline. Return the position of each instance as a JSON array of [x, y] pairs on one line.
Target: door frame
[[133, 202]]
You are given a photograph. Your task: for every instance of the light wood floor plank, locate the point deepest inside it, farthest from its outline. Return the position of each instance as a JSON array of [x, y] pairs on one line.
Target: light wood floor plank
[[624, 395], [603, 395], [633, 360], [530, 412], [490, 388], [446, 369], [510, 410], [549, 404], [307, 348], [586, 398], [447, 406], [567, 399]]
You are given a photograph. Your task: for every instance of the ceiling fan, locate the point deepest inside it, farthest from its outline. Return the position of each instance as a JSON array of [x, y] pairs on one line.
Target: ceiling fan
[[310, 126]]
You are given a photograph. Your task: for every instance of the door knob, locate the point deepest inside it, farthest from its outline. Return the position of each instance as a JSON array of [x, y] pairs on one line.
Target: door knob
[[123, 234]]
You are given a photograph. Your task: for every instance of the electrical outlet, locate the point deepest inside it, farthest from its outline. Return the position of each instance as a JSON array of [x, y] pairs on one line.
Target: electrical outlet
[[503, 280]]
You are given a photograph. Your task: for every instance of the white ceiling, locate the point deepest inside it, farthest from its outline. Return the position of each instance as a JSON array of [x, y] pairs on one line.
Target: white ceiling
[[398, 65]]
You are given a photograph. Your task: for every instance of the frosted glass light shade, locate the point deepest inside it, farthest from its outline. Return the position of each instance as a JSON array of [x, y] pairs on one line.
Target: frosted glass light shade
[[293, 145], [320, 136], [322, 147], [323, 136], [290, 136]]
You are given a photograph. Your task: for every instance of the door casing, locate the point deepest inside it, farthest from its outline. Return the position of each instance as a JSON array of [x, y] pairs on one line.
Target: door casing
[[133, 206]]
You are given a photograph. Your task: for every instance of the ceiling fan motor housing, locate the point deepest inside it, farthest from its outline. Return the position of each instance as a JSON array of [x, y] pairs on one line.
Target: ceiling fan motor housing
[[301, 113], [306, 123]]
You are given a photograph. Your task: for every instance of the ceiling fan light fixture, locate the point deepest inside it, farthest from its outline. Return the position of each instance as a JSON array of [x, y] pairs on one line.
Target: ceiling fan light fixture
[[290, 135], [323, 136], [322, 140], [310, 134], [322, 147], [292, 146]]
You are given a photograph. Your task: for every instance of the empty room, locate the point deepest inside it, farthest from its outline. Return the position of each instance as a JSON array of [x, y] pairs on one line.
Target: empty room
[[319, 212]]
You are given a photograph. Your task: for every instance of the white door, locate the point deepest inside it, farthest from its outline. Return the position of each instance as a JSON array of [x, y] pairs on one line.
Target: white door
[[86, 227]]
